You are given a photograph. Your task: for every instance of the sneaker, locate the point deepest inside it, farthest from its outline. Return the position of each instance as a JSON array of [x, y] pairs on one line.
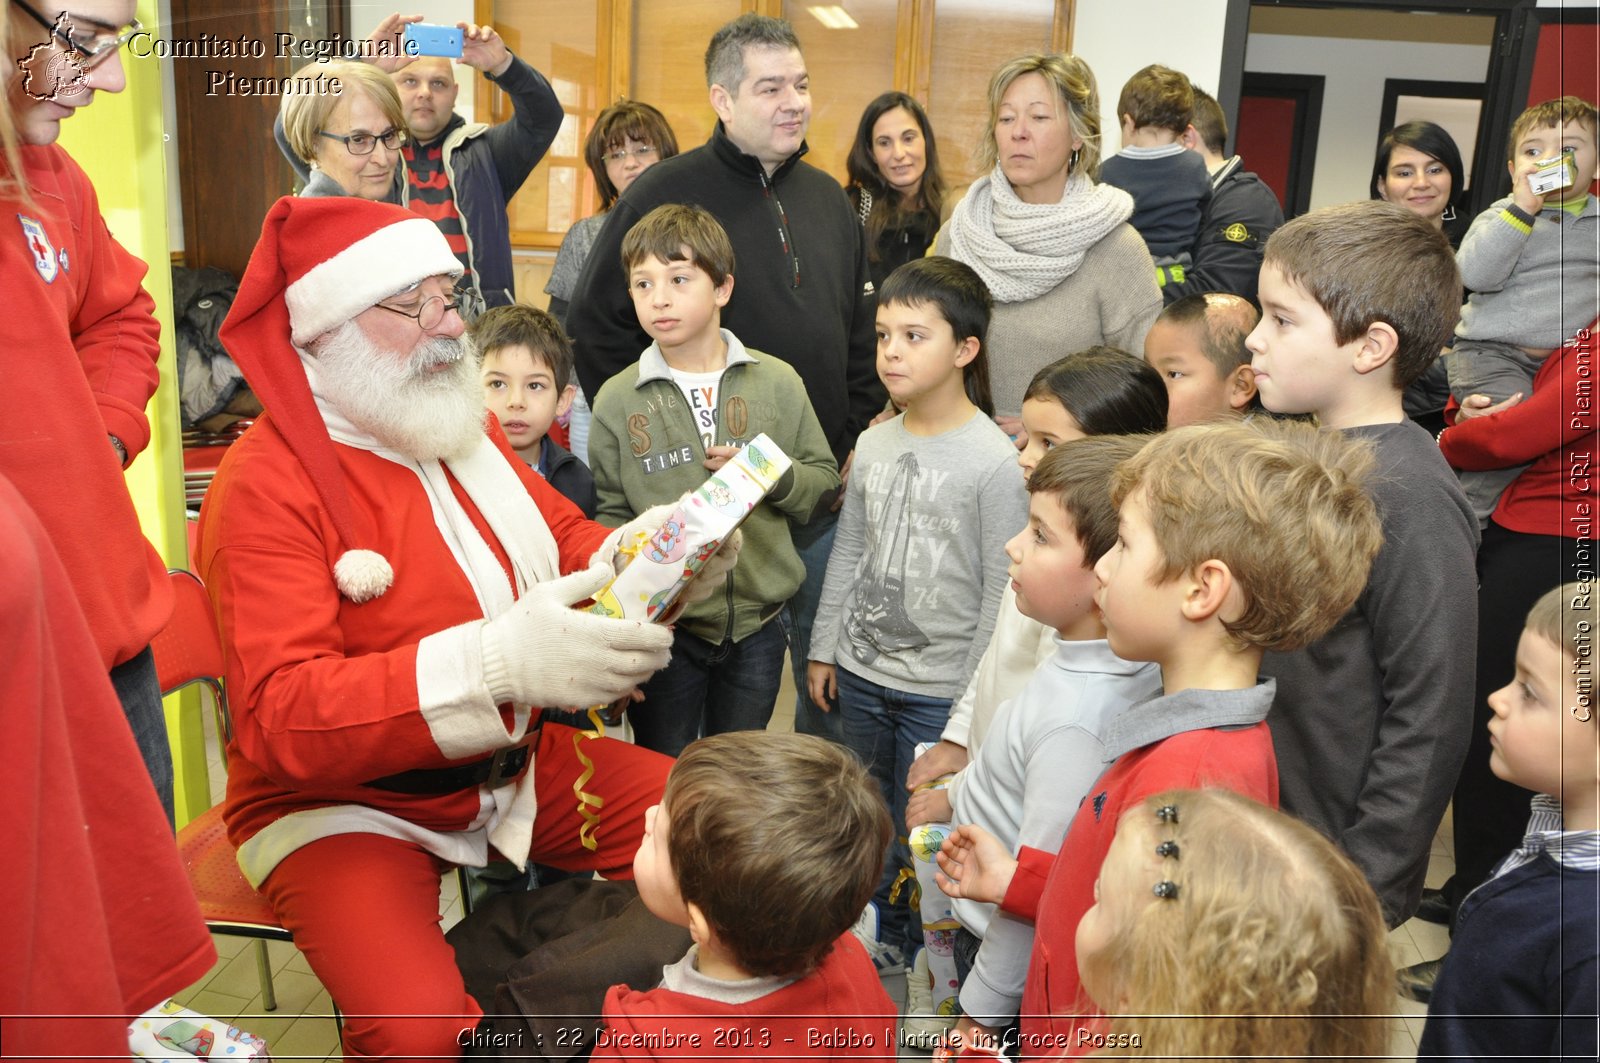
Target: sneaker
[[922, 1027], [886, 958], [1416, 981]]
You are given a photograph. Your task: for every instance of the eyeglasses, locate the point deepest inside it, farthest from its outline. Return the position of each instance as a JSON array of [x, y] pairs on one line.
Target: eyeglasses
[[433, 309], [621, 154], [363, 143], [92, 51]]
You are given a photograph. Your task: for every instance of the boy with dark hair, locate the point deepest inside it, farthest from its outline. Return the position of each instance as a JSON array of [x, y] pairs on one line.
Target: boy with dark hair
[[1169, 185], [1522, 976], [1371, 723], [1530, 262], [1197, 345], [1233, 539], [527, 384], [1043, 749], [695, 397], [918, 567], [766, 846]]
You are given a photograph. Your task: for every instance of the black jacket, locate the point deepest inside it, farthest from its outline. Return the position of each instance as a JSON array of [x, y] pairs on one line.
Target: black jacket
[[801, 287], [1242, 213], [570, 476]]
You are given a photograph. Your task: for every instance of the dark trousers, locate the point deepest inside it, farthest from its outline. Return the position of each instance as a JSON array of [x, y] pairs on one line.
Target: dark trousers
[[814, 543], [140, 693], [710, 688]]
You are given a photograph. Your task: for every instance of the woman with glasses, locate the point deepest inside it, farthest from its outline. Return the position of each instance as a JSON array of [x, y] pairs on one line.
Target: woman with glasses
[[350, 140], [84, 592], [627, 139]]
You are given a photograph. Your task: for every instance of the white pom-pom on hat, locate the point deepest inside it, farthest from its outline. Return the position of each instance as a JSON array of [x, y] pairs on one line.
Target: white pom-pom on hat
[[362, 574]]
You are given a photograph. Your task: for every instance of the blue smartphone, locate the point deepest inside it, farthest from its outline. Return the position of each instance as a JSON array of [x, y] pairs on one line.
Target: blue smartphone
[[423, 39]]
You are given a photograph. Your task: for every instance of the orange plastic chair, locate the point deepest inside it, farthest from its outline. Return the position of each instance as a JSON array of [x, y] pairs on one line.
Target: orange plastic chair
[[188, 651]]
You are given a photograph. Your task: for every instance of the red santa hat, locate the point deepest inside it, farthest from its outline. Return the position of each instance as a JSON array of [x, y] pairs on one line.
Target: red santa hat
[[319, 263]]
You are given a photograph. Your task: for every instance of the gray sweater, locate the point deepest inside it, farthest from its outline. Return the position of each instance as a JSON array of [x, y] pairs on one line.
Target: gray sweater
[[1533, 280], [1111, 299], [1371, 722], [1024, 784], [919, 559]]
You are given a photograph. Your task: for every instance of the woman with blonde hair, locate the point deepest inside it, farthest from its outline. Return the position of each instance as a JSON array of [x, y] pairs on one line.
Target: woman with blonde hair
[[1224, 929], [344, 143], [1065, 269]]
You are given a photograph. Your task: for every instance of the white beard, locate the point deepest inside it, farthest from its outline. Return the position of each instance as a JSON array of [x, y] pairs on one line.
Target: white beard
[[426, 415]]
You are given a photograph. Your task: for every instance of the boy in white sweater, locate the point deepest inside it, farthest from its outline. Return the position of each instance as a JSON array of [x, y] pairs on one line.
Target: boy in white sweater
[[1044, 747]]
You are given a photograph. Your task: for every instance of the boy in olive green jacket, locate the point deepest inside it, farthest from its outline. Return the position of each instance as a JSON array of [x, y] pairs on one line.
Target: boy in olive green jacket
[[661, 427]]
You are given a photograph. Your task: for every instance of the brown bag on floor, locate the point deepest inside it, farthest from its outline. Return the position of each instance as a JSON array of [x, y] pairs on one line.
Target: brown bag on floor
[[539, 963]]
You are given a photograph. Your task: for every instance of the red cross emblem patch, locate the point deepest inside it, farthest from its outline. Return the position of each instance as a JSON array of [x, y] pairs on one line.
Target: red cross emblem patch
[[44, 256]]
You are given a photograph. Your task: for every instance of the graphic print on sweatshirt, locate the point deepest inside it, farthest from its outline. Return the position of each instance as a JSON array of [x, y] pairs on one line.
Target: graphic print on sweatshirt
[[700, 395], [909, 535], [655, 436]]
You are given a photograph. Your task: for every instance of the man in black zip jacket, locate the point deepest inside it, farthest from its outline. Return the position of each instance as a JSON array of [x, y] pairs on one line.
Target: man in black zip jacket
[[802, 291]]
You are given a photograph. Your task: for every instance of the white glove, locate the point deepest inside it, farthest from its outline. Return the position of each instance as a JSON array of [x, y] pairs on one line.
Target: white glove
[[543, 652]]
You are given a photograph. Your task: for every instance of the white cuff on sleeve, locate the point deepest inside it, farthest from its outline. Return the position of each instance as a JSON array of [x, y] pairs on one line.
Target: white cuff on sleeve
[[454, 693]]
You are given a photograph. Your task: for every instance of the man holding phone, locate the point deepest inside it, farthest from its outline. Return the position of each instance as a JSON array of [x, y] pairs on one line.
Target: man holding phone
[[462, 175]]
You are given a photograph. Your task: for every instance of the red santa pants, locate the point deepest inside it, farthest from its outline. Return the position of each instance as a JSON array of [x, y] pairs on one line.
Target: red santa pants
[[365, 908]]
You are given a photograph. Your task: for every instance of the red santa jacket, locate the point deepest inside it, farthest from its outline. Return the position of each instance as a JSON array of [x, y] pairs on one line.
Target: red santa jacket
[[325, 692], [838, 1011], [80, 345], [97, 922]]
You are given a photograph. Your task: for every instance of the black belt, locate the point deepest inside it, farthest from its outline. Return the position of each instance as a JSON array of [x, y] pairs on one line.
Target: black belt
[[501, 768]]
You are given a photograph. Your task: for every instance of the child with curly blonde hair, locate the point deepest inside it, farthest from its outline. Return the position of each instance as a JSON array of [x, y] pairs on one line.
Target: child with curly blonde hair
[[1224, 929]]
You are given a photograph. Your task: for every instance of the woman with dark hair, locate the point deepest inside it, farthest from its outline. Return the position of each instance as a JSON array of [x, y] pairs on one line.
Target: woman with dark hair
[[628, 138], [1419, 167], [895, 182]]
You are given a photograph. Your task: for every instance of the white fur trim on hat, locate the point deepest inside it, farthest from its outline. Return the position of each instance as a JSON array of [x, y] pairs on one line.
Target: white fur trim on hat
[[375, 267], [362, 574]]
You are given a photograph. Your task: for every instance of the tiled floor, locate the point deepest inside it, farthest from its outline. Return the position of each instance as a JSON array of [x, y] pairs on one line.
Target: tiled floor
[[303, 1027]]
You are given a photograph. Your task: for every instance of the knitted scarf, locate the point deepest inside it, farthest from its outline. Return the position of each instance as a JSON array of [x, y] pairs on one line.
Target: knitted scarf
[[1023, 250]]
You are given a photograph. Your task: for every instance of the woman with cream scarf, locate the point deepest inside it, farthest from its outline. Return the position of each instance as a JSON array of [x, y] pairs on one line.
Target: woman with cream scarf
[[1066, 270]]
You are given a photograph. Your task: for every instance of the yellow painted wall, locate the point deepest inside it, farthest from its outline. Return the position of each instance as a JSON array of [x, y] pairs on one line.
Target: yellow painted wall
[[118, 141]]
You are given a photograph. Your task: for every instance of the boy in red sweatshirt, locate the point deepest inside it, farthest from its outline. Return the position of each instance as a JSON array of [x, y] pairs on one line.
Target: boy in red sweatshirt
[[766, 846], [1233, 539]]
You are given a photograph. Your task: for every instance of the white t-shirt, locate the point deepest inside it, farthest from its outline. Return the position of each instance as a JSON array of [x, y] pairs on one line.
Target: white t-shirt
[[700, 392]]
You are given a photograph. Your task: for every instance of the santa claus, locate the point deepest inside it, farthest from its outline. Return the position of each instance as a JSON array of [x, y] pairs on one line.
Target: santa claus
[[395, 593]]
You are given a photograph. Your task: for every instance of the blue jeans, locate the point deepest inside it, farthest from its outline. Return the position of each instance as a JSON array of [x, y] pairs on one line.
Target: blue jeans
[[814, 543], [710, 688], [140, 693], [883, 726]]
